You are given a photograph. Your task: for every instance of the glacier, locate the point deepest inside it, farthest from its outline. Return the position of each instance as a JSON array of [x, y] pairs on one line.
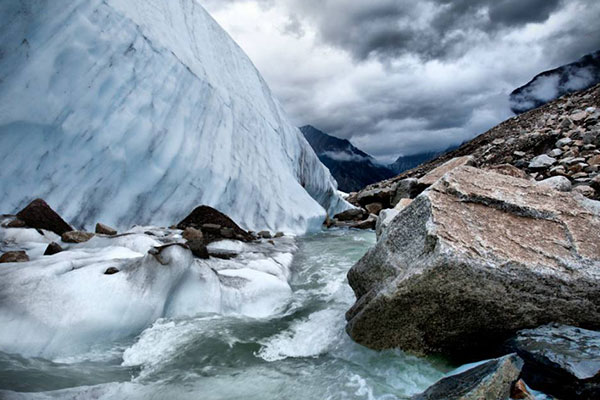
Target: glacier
[[137, 111]]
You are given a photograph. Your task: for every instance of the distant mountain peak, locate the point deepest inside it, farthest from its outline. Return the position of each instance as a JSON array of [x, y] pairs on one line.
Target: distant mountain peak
[[351, 167]]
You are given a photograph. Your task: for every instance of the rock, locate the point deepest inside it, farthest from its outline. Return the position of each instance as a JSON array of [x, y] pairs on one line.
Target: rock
[[52, 249], [385, 217], [519, 391], [403, 204], [192, 234], [265, 235], [595, 182], [440, 171], [474, 259], [595, 160], [198, 248], [407, 189], [563, 142], [556, 153], [14, 257], [560, 183], [369, 223], [76, 237], [105, 229], [227, 233], [542, 162], [507, 169], [492, 380], [382, 195], [578, 117], [16, 223], [39, 215], [111, 271], [585, 190], [560, 360], [204, 216], [279, 235], [353, 214], [374, 208]]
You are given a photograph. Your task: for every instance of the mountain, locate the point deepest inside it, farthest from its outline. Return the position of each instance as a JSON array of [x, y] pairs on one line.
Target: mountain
[[130, 111], [552, 84], [404, 163], [352, 168]]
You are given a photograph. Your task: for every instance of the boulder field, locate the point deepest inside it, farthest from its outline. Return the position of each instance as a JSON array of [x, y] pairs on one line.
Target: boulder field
[[474, 259]]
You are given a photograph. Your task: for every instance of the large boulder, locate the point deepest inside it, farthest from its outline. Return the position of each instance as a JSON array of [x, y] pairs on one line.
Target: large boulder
[[383, 195], [39, 215], [431, 177], [560, 360], [204, 216], [491, 380], [14, 257], [474, 259]]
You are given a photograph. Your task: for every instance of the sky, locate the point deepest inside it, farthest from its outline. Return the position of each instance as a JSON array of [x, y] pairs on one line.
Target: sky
[[400, 77]]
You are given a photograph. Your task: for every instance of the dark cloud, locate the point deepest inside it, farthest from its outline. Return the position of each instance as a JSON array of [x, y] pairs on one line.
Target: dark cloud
[[414, 76]]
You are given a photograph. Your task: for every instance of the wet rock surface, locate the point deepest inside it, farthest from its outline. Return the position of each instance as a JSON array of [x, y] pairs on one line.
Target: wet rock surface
[[563, 361], [105, 229], [76, 237], [491, 380], [52, 249], [473, 260]]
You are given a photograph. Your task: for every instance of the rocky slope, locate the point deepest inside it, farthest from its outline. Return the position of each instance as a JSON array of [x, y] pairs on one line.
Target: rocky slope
[[561, 138], [557, 82], [352, 168], [150, 105]]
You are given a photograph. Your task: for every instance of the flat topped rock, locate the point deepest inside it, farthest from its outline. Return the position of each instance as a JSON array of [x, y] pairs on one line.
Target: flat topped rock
[[443, 169], [39, 215], [560, 360], [493, 379], [471, 261]]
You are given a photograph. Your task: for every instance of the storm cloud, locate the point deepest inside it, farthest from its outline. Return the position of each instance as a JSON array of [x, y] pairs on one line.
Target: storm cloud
[[399, 77]]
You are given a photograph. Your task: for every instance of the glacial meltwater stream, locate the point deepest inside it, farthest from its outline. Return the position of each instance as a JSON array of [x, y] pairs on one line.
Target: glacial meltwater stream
[[302, 352]]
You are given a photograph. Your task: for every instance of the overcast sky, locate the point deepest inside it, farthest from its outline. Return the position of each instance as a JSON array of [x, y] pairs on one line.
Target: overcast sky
[[405, 76]]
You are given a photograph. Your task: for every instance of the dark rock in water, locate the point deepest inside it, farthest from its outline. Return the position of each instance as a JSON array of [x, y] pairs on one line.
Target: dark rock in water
[[198, 248], [471, 261], [204, 218], [368, 223], [76, 237], [492, 380], [14, 257], [39, 215], [265, 234], [52, 249], [353, 214], [105, 229], [560, 360], [279, 235], [111, 271]]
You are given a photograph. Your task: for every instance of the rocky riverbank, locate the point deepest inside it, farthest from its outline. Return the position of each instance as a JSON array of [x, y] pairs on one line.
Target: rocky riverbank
[[497, 237]]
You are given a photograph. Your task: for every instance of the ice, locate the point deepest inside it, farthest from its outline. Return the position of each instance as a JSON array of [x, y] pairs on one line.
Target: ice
[[137, 111], [63, 305]]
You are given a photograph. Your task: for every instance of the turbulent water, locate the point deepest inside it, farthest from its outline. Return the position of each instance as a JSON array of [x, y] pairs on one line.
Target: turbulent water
[[302, 352]]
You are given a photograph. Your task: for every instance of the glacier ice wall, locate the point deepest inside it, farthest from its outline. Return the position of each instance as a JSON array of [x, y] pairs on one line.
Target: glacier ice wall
[[136, 111]]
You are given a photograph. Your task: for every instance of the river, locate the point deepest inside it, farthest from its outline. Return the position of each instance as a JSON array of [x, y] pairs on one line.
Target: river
[[301, 352]]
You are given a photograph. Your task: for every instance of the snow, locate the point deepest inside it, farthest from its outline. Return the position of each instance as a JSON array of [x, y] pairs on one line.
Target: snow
[[63, 305], [137, 111]]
